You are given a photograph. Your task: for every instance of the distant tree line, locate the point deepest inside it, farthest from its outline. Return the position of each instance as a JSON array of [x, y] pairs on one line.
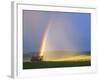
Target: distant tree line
[[36, 58]]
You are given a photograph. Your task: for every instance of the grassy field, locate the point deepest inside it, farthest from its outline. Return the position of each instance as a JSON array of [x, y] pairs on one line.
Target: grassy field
[[53, 59], [54, 64]]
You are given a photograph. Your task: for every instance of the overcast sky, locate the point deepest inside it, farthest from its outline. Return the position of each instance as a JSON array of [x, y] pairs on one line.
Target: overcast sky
[[66, 31]]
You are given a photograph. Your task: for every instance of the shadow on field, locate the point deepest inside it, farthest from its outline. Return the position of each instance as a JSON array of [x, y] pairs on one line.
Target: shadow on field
[[49, 64]]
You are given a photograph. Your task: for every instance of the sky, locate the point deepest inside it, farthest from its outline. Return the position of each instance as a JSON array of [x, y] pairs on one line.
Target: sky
[[68, 31]]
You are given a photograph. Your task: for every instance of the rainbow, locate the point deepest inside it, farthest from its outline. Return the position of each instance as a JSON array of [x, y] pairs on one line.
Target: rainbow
[[43, 43]]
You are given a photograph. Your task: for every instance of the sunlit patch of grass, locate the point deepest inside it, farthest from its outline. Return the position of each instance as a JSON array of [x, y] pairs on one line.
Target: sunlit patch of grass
[[72, 58]]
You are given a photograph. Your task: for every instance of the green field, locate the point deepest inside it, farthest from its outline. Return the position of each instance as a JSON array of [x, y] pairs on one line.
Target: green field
[[49, 64]]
